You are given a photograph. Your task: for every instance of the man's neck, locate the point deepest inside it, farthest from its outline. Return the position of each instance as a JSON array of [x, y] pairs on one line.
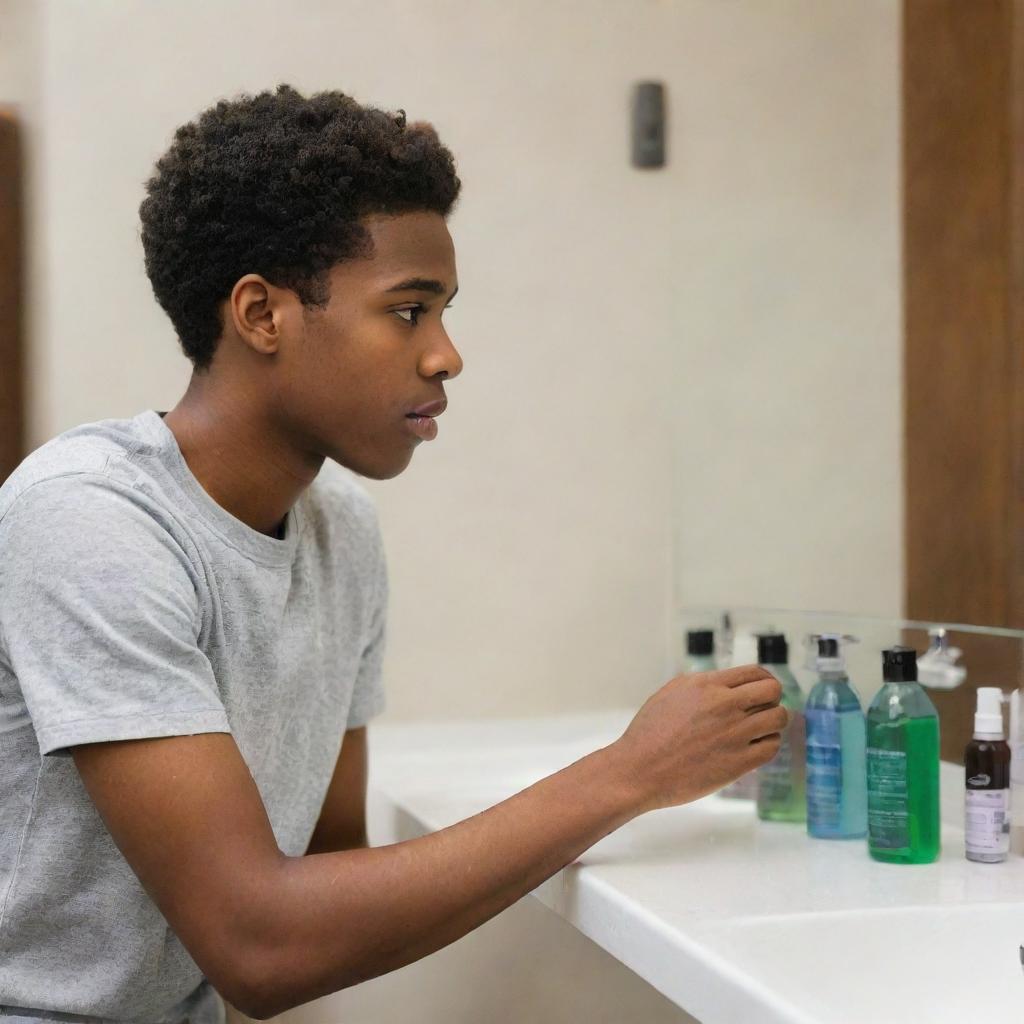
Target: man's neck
[[235, 454]]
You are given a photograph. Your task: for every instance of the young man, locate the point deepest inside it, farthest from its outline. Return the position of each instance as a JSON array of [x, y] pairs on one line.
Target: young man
[[192, 612]]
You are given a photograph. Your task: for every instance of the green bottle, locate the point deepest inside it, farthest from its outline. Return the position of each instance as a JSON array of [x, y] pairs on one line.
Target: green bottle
[[903, 766], [781, 784]]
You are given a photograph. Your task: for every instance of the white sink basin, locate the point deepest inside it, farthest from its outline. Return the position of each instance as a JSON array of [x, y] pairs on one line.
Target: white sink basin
[[886, 965]]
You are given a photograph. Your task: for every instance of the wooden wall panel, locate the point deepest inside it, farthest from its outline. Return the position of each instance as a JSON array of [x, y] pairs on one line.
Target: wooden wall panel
[[12, 408], [959, 385], [963, 295]]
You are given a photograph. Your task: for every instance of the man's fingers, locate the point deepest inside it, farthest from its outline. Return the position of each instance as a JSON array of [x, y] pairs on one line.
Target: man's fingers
[[744, 674], [760, 693], [764, 723]]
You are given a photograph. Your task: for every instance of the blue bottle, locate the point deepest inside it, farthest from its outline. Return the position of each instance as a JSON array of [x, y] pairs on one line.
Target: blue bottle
[[837, 806]]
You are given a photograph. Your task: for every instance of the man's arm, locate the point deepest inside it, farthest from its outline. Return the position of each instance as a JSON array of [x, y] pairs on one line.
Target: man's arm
[[342, 821], [272, 932]]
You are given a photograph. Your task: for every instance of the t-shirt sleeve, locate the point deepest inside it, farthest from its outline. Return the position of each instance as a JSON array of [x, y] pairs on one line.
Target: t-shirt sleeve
[[368, 698], [100, 617]]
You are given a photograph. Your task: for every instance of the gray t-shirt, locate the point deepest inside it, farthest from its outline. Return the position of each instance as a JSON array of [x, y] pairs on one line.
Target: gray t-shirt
[[132, 605]]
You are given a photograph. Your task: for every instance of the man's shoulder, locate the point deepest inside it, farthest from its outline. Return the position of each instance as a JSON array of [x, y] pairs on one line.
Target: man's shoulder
[[74, 462]]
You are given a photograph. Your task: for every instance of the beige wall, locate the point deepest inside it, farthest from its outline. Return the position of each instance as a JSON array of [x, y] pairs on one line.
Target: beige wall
[[19, 50], [742, 302], [786, 314]]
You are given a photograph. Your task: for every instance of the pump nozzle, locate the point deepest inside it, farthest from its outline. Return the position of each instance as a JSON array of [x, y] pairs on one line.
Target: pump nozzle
[[829, 647], [988, 719]]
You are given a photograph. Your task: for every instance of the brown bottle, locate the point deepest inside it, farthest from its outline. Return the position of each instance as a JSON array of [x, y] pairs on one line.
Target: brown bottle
[[987, 774]]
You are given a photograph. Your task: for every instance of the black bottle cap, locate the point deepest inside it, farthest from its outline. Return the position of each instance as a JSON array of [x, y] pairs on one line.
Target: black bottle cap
[[828, 647], [772, 649], [700, 642], [899, 665]]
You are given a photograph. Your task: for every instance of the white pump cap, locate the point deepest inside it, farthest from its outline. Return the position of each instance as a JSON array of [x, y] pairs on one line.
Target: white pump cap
[[988, 719]]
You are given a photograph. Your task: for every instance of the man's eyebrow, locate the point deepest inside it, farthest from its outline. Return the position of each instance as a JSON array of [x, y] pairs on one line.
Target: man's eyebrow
[[422, 284]]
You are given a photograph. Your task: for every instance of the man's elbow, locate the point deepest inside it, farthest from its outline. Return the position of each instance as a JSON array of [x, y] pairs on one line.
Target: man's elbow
[[266, 978], [247, 985], [260, 991], [265, 994], [239, 950], [273, 960]]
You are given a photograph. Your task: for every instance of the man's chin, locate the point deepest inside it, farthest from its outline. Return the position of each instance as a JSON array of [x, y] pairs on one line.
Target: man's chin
[[375, 467]]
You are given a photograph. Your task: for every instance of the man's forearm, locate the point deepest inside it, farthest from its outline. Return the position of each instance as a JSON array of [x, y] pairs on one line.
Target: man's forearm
[[327, 921]]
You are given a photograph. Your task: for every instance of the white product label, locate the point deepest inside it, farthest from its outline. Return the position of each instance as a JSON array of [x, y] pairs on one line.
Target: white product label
[[988, 820], [888, 803]]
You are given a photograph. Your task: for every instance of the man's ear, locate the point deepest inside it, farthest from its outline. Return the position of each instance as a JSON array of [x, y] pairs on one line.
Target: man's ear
[[258, 310]]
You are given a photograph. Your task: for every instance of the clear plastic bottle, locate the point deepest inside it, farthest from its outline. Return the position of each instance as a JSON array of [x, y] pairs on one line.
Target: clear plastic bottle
[[903, 766], [744, 652], [780, 783], [725, 639], [837, 805], [700, 650]]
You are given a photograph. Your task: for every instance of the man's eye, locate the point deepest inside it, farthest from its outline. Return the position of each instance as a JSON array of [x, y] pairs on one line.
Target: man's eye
[[410, 316]]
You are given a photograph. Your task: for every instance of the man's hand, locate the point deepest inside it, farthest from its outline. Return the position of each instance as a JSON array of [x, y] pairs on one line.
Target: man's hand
[[700, 732]]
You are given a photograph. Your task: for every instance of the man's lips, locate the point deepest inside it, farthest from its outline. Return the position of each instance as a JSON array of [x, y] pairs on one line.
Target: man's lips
[[422, 420], [430, 409]]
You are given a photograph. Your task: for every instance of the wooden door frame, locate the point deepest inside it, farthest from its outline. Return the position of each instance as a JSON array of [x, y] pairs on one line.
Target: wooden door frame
[[12, 278]]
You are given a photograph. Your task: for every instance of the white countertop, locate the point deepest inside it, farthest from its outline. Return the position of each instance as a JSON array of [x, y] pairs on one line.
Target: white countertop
[[735, 919]]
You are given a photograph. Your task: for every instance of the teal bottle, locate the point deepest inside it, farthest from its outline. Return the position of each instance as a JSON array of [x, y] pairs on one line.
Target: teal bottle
[[780, 783], [700, 650], [903, 766], [837, 805]]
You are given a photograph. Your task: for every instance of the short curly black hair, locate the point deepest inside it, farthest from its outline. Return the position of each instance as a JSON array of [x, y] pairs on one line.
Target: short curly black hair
[[276, 184]]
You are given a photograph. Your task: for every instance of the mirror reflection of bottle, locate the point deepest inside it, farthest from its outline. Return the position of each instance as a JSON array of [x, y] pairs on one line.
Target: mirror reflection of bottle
[[744, 652], [987, 776], [903, 766], [725, 639], [780, 782], [836, 784], [700, 650]]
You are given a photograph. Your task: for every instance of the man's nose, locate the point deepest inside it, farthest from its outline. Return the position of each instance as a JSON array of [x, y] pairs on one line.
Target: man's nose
[[442, 358]]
